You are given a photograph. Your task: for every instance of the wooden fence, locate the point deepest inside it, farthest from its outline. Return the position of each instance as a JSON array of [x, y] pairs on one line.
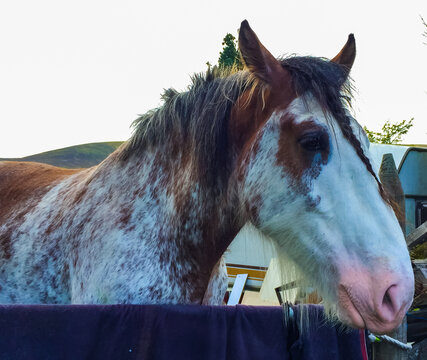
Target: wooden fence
[[390, 179]]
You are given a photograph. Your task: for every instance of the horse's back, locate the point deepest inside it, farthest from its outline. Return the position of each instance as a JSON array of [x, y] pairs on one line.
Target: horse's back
[[26, 182], [22, 186]]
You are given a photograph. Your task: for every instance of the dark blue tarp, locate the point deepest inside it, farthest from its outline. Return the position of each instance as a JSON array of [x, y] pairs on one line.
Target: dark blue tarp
[[168, 332]]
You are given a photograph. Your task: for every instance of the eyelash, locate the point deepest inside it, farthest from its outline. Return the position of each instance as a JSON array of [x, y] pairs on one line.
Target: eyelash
[[316, 141]]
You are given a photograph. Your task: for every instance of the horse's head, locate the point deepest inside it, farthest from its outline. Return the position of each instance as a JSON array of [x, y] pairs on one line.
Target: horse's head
[[307, 182]]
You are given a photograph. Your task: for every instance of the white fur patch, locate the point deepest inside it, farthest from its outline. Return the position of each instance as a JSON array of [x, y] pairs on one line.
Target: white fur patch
[[350, 227]]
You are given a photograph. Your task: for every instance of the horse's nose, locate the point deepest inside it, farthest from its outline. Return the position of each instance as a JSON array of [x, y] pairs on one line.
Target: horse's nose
[[391, 300], [378, 303]]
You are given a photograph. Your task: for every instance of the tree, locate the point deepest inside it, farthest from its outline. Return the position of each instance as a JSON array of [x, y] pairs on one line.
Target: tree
[[390, 133], [230, 54]]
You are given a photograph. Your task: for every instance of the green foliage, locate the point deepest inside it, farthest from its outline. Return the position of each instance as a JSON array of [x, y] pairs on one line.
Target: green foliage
[[230, 54], [419, 252], [390, 133]]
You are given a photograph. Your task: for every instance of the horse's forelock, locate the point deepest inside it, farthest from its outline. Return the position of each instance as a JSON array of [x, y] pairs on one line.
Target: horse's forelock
[[332, 88]]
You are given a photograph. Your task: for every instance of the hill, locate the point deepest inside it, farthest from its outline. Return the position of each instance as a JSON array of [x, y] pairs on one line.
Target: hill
[[79, 156]]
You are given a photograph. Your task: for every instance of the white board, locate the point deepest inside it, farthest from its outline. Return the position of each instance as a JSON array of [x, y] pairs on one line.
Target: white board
[[236, 292]]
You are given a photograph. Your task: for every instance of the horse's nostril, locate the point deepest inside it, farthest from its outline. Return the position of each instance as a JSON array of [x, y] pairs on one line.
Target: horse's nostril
[[392, 301], [387, 301]]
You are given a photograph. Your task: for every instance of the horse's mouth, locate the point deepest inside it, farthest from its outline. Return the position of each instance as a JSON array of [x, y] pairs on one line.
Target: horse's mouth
[[348, 312]]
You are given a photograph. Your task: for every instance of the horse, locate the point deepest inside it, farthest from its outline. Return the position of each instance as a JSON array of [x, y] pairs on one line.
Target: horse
[[274, 145]]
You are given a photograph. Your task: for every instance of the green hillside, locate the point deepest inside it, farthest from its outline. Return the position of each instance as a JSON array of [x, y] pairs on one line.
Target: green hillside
[[79, 156]]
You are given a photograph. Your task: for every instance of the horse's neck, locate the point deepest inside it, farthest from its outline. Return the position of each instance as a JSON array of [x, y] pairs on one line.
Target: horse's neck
[[202, 220]]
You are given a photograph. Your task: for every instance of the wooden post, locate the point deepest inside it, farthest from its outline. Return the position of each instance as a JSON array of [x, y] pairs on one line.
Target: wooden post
[[417, 237], [390, 179]]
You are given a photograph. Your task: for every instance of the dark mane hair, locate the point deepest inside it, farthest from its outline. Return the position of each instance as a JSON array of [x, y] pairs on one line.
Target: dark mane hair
[[198, 117], [195, 119]]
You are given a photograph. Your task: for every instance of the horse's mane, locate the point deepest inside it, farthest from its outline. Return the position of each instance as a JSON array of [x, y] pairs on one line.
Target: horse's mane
[[198, 118]]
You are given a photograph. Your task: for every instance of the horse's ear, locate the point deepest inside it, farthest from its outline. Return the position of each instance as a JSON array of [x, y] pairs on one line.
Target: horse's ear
[[347, 54], [257, 58]]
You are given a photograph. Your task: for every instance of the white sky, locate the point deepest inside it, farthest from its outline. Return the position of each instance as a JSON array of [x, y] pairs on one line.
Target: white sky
[[74, 72]]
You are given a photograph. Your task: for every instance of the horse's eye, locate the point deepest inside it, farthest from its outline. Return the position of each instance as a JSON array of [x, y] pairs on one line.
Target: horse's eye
[[315, 141]]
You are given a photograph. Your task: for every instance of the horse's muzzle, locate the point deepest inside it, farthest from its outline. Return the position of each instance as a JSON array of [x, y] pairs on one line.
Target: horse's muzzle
[[377, 303]]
